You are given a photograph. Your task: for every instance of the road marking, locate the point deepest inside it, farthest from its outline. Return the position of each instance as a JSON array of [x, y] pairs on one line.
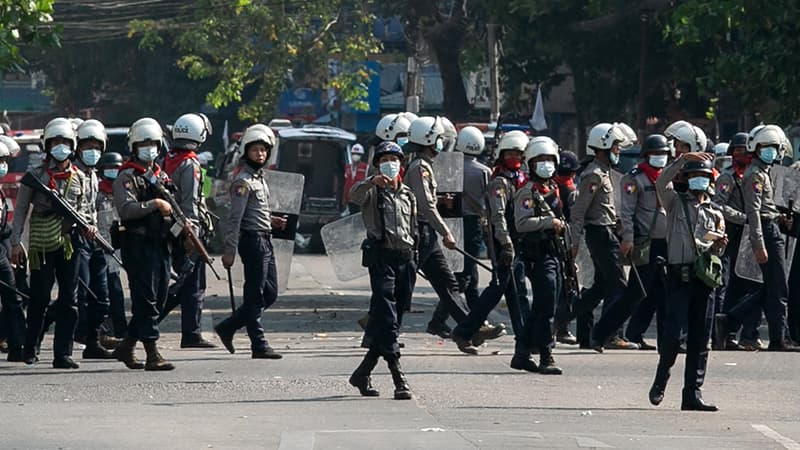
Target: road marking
[[585, 442], [777, 437], [296, 440]]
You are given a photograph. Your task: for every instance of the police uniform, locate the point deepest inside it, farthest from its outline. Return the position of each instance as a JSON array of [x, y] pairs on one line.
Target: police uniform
[[420, 178], [763, 216], [643, 219], [12, 315], [594, 214], [248, 229], [184, 170], [689, 301], [476, 178], [536, 206], [106, 217], [52, 257]]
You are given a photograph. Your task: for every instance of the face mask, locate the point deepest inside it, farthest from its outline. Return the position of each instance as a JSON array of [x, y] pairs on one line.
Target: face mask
[[356, 157], [401, 141], [60, 152], [658, 161], [613, 158], [768, 154], [3, 169], [545, 169], [147, 154], [390, 168], [439, 145], [111, 174], [698, 183], [743, 160], [90, 157]]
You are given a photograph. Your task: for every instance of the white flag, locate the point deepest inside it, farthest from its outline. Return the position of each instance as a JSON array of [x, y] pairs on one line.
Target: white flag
[[225, 138], [538, 122]]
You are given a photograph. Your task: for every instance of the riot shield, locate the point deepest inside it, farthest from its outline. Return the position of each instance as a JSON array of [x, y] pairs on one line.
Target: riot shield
[[616, 181], [342, 240], [786, 188], [585, 265], [285, 199], [448, 168], [746, 265]]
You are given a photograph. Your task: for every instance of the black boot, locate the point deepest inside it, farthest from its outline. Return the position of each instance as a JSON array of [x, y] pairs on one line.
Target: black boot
[[15, 354], [94, 350], [547, 365], [155, 361], [124, 353], [360, 377], [401, 389], [523, 361], [656, 393], [693, 401]]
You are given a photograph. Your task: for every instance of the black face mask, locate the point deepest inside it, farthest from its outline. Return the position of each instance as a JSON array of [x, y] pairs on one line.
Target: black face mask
[[254, 165], [681, 186]]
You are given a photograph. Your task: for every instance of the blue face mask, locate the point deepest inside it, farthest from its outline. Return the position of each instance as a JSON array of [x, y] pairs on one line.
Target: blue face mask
[[3, 169], [768, 155], [613, 158], [90, 157], [545, 169], [401, 141], [658, 161], [390, 168], [60, 152], [699, 183], [439, 145], [111, 174], [147, 154]]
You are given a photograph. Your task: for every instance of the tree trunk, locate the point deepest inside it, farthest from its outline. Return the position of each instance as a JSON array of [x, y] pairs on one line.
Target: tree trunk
[[447, 41]]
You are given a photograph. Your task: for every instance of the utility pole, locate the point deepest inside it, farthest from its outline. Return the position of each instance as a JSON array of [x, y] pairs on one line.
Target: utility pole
[[640, 104], [494, 86], [412, 93]]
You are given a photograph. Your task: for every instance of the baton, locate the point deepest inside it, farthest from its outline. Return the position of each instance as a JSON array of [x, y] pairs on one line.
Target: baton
[[474, 259], [88, 290], [17, 291], [230, 291], [638, 278]]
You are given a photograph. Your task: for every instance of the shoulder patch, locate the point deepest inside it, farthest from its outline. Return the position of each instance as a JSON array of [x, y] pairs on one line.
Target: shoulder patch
[[240, 190], [527, 203], [593, 187], [423, 172], [499, 192], [630, 187], [725, 187], [758, 187]]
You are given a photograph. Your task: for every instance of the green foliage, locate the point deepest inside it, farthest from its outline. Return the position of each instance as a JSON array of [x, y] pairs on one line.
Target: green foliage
[[269, 46], [24, 22]]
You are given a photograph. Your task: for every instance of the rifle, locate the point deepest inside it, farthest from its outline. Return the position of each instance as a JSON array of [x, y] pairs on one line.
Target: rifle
[[33, 182], [182, 224], [569, 267]]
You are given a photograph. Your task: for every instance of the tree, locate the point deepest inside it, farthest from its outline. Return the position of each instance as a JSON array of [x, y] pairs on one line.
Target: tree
[[270, 46], [24, 22]]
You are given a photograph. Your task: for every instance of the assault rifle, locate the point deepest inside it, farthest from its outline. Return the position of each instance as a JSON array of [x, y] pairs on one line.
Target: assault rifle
[[33, 182], [568, 265]]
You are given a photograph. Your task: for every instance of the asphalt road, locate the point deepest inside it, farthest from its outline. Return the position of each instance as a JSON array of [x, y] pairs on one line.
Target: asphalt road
[[217, 400]]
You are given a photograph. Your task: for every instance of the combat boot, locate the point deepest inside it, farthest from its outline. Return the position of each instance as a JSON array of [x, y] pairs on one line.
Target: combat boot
[[124, 353], [693, 401], [656, 394], [547, 365], [464, 345], [361, 376], [487, 332], [154, 359], [94, 350], [524, 362], [401, 389]]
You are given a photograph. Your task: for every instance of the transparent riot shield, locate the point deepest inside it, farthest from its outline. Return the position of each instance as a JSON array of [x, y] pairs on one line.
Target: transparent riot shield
[[285, 199], [786, 188], [585, 265], [342, 240], [746, 265], [448, 168], [616, 182]]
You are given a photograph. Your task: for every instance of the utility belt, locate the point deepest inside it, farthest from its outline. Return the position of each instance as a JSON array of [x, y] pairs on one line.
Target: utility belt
[[152, 226], [373, 250], [254, 233], [532, 245]]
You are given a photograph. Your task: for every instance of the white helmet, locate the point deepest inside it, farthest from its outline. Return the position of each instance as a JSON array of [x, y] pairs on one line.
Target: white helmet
[[144, 129], [357, 149], [450, 134], [721, 149], [409, 115], [603, 136], [669, 132], [425, 131], [257, 133], [630, 136], [4, 151], [59, 127], [93, 129], [513, 140], [391, 125], [541, 145], [767, 134], [470, 141], [11, 144], [190, 130], [692, 135]]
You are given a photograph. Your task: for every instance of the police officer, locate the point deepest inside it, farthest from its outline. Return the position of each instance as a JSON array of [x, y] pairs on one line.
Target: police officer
[[389, 212], [470, 141], [541, 224], [144, 219], [507, 177], [53, 244], [594, 213], [248, 229], [644, 244], [13, 317], [109, 165], [565, 179], [729, 195], [92, 265], [189, 132], [694, 226]]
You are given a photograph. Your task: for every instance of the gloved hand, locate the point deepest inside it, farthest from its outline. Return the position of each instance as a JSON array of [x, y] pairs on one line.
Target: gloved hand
[[506, 255]]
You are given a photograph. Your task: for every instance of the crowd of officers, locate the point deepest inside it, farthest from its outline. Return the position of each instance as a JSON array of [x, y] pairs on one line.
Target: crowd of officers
[[683, 212], [679, 225]]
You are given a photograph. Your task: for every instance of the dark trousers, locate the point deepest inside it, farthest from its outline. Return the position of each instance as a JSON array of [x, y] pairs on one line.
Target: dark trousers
[[116, 298], [468, 278], [148, 260], [690, 303], [609, 279], [260, 288], [434, 266], [544, 271], [191, 294], [54, 267], [92, 307], [13, 319], [794, 294], [392, 280], [735, 289], [634, 303]]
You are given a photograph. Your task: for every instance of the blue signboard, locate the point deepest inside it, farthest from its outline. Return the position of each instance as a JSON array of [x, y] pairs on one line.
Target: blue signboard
[[300, 102]]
